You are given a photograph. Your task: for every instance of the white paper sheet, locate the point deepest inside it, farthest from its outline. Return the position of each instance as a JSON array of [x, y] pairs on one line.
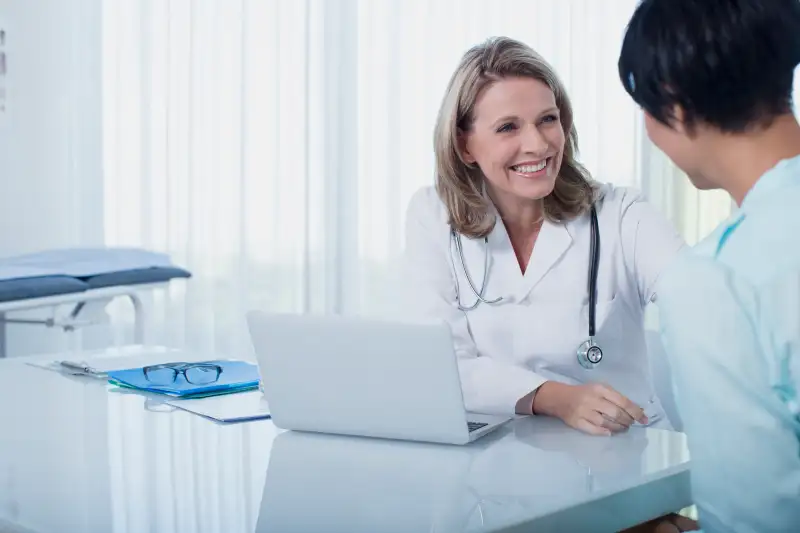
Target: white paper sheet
[[237, 407]]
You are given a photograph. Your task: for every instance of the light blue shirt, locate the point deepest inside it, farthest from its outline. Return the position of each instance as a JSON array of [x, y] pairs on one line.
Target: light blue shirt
[[730, 318]]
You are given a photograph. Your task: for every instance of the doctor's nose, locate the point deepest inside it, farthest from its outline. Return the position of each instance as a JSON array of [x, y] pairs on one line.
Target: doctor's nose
[[533, 142]]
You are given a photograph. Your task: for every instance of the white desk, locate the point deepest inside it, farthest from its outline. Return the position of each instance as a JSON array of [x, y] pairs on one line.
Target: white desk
[[77, 457]]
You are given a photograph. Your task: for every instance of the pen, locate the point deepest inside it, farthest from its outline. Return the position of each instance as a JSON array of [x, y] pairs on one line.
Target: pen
[[81, 367]]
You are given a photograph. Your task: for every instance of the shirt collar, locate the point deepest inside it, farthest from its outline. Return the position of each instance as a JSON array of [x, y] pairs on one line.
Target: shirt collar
[[784, 173]]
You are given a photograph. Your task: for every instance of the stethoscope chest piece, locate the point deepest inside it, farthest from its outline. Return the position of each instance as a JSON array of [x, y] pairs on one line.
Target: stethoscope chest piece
[[589, 354]]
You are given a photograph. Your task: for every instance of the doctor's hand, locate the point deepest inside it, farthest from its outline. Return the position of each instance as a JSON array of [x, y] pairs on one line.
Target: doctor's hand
[[593, 408]]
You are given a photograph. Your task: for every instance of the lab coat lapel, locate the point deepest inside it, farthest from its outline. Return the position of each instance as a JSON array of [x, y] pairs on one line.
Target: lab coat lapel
[[505, 268], [553, 242]]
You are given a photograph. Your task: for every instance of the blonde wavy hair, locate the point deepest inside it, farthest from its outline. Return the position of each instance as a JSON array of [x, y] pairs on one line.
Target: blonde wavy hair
[[461, 185]]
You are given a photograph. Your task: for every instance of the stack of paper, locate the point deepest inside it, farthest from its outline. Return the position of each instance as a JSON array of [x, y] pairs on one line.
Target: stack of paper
[[236, 376], [213, 400]]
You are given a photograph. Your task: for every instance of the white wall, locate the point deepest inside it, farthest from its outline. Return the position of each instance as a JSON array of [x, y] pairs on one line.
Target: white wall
[[50, 135]]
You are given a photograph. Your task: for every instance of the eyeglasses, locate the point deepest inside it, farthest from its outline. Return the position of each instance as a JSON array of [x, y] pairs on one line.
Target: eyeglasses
[[194, 373]]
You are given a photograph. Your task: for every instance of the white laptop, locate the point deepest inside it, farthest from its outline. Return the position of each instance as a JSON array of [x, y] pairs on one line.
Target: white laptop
[[367, 377]]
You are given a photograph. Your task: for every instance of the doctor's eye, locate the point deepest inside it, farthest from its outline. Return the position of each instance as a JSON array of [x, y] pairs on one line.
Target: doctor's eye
[[549, 119], [508, 126]]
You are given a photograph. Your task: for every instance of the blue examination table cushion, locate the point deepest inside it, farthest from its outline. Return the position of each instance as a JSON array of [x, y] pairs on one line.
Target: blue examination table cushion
[[62, 272], [40, 287]]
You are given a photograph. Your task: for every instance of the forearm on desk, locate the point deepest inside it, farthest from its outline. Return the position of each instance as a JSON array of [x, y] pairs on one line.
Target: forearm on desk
[[496, 387], [540, 401]]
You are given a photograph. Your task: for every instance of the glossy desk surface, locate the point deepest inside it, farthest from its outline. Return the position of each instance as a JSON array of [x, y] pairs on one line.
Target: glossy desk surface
[[79, 456]]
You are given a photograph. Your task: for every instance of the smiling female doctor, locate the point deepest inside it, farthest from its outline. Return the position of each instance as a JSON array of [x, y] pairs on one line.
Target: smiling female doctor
[[501, 250]]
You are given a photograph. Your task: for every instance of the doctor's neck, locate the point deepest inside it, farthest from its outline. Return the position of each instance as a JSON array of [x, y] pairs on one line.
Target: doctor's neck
[[519, 215], [735, 162]]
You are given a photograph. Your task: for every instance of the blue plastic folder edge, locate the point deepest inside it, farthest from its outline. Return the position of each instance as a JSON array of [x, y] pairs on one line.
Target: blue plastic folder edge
[[236, 376]]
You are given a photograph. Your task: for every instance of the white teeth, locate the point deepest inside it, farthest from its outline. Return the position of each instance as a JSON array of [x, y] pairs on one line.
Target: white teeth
[[527, 169]]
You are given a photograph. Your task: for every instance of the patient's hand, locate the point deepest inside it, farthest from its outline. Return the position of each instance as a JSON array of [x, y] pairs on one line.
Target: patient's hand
[[671, 523]]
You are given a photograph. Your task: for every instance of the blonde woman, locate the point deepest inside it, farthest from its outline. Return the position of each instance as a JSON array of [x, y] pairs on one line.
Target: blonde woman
[[502, 248]]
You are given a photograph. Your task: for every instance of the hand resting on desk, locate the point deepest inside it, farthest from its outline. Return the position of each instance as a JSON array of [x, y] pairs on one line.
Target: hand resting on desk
[[593, 408]]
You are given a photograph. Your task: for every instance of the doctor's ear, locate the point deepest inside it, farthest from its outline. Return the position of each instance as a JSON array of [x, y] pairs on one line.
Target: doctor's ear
[[461, 142]]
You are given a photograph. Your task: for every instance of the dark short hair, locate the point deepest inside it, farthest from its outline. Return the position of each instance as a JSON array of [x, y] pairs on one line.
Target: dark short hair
[[726, 63]]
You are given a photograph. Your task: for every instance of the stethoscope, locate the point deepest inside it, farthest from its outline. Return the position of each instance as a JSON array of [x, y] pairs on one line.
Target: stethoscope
[[589, 353]]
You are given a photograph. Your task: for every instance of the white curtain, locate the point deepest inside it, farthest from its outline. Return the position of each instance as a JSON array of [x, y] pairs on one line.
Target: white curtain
[[271, 146]]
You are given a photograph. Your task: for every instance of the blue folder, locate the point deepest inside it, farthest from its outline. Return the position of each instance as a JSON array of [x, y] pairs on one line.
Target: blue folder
[[236, 376]]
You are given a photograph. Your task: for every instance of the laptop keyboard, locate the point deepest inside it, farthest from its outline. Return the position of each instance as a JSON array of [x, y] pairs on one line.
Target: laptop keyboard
[[472, 426]]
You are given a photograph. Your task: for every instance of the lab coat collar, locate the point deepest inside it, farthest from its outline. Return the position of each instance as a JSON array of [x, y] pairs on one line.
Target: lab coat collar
[[552, 243]]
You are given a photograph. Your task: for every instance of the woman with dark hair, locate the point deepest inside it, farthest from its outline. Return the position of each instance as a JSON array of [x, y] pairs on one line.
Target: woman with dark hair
[[714, 78]]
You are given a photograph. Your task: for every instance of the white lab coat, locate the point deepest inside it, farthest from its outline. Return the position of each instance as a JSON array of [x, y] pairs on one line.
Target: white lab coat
[[507, 350]]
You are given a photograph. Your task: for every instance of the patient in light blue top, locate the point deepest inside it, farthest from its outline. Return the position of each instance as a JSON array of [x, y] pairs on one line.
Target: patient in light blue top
[[731, 324], [715, 81]]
